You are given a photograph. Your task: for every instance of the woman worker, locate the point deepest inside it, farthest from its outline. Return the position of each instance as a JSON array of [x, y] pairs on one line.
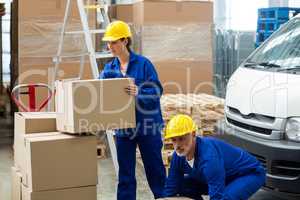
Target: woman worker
[[147, 90]]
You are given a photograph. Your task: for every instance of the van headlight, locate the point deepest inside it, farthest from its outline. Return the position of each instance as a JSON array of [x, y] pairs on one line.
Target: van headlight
[[292, 129]]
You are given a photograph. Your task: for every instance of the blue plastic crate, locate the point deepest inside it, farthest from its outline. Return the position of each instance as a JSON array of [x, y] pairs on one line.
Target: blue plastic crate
[[262, 36], [269, 25], [257, 44], [277, 13]]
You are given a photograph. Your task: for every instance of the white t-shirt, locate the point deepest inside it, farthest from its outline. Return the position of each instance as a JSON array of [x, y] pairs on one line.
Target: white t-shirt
[[123, 71], [191, 162]]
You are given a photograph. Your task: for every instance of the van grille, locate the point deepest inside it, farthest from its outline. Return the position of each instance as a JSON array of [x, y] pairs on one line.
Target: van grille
[[256, 129], [252, 115], [262, 160], [286, 168]]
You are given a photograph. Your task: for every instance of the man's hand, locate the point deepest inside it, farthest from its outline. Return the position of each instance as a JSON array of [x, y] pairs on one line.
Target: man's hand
[[132, 89]]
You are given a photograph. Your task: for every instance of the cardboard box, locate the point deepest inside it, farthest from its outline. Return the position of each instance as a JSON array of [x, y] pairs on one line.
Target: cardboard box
[[183, 32], [39, 30], [41, 70], [94, 105], [40, 25], [60, 161], [80, 193], [20, 158], [34, 122], [31, 9], [185, 42], [30, 123], [187, 76], [172, 11], [122, 12], [16, 184]]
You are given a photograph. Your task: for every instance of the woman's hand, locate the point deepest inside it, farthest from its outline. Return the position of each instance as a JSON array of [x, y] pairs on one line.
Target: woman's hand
[[132, 89]]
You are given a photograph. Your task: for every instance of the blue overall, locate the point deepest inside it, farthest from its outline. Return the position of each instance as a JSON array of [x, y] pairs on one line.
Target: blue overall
[[146, 135], [222, 171]]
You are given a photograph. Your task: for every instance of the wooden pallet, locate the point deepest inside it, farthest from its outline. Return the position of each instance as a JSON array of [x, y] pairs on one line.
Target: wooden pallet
[[205, 109]]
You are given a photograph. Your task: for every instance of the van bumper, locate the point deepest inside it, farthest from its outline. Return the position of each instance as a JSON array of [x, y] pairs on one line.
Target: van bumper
[[281, 158]]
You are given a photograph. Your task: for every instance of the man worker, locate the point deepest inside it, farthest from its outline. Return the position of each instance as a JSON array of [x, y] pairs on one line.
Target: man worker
[[209, 166]]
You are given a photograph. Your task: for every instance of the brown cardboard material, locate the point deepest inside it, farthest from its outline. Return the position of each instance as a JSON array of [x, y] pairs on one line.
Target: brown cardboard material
[[175, 42], [123, 12], [172, 11], [30, 123], [60, 161], [94, 105], [16, 184], [187, 76], [41, 8], [177, 39], [39, 31], [180, 30], [80, 193], [40, 27], [20, 149], [40, 70], [48, 8], [34, 122]]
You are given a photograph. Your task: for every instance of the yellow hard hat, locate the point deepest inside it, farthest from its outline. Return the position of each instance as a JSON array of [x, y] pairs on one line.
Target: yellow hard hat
[[180, 125], [116, 30]]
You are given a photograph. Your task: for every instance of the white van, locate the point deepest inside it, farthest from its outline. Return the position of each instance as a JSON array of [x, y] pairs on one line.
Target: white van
[[262, 108]]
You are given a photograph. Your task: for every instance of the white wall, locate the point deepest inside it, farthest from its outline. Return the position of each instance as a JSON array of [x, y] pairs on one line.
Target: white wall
[[238, 14], [221, 14], [278, 3], [294, 3]]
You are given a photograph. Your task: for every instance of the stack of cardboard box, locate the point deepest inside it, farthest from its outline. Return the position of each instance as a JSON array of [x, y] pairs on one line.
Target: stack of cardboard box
[[122, 12], [55, 158], [40, 24], [51, 165], [177, 39]]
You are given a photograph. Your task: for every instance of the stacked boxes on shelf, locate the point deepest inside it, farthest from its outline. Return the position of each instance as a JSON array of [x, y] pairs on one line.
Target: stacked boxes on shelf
[[177, 38], [39, 29]]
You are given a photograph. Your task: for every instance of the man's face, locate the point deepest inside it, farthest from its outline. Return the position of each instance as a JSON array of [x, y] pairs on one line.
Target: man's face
[[182, 144]]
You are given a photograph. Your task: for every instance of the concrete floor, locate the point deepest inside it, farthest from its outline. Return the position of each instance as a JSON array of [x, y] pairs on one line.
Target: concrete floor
[[107, 180]]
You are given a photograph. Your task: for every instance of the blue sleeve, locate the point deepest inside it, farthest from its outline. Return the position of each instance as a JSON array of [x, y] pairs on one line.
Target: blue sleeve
[[151, 90], [105, 71], [175, 176], [215, 176], [101, 75]]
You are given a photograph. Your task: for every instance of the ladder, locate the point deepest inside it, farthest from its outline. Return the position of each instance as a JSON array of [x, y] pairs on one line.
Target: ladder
[[83, 7]]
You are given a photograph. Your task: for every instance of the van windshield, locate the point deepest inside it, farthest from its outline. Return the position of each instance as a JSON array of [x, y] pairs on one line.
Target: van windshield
[[281, 52]]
